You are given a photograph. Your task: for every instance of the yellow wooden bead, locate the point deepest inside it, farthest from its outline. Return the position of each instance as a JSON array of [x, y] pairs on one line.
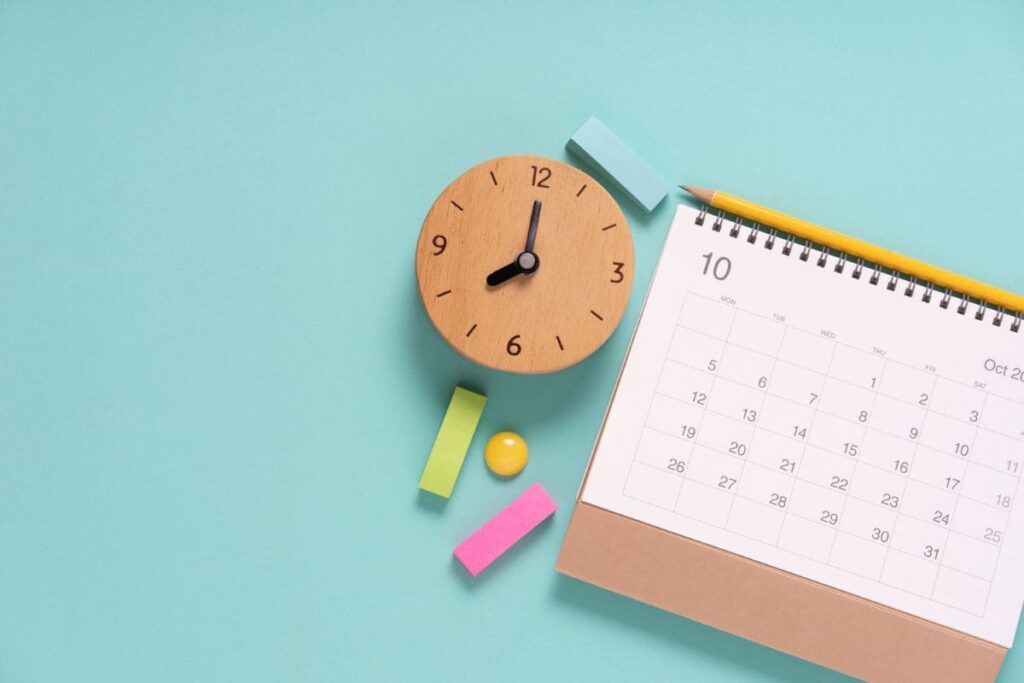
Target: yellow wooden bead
[[506, 454]]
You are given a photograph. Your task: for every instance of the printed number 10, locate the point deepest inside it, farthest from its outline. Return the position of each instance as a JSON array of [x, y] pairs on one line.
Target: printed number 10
[[721, 267]]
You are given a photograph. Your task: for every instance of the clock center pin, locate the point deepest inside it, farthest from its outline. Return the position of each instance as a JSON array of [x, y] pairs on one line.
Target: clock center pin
[[528, 262]]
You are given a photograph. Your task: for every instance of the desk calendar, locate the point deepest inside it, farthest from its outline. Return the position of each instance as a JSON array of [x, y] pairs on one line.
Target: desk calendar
[[853, 430]]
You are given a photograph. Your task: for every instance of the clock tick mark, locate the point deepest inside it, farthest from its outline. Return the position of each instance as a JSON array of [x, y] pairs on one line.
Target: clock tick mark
[[581, 190], [607, 227], [471, 330], [493, 179], [559, 339], [456, 205], [595, 314], [448, 291]]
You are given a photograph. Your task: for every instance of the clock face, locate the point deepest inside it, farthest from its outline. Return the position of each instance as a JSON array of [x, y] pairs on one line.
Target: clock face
[[525, 264]]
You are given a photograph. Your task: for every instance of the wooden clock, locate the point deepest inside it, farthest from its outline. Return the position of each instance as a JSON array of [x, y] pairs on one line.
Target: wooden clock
[[525, 264]]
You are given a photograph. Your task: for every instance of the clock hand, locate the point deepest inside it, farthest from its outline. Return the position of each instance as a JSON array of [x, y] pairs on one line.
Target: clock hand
[[531, 236], [526, 263], [504, 273]]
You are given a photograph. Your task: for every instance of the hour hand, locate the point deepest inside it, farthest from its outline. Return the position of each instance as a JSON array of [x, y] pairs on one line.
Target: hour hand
[[504, 273], [527, 262]]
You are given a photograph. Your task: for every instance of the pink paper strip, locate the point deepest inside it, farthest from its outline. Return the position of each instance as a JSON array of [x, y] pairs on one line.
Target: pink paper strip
[[505, 529]]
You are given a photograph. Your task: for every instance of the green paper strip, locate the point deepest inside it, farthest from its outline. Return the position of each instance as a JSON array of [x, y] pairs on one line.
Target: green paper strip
[[452, 443]]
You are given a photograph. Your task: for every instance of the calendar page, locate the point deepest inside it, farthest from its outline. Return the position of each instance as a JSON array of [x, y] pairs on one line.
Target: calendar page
[[844, 431]]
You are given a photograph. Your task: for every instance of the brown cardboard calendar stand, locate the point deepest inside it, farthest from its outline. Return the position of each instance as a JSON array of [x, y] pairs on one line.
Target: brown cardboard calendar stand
[[769, 606]]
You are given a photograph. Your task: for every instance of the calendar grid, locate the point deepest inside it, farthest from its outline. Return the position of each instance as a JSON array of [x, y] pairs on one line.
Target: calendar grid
[[825, 412], [655, 394], [827, 488], [967, 385], [760, 409], [956, 503], [804, 444], [906, 483], [891, 546], [999, 551], [1019, 437], [647, 413], [796, 440], [710, 389], [853, 474]]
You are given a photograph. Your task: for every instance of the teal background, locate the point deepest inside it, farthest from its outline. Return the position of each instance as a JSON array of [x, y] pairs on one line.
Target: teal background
[[218, 386]]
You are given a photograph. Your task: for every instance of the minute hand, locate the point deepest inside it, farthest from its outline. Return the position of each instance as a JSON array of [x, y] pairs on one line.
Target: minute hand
[[531, 236]]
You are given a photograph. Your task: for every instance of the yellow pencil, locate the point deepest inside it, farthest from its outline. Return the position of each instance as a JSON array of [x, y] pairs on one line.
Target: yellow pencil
[[858, 248]]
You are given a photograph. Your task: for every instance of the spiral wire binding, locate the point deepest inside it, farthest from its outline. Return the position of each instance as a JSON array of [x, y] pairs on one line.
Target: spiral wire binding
[[842, 260]]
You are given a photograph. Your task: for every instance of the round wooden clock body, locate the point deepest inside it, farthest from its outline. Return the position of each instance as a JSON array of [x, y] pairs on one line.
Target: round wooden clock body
[[516, 303]]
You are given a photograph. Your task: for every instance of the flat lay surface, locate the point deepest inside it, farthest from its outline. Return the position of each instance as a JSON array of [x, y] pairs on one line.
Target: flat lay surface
[[219, 385]]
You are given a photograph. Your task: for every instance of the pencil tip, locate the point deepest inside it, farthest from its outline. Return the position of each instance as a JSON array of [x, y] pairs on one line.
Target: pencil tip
[[706, 196]]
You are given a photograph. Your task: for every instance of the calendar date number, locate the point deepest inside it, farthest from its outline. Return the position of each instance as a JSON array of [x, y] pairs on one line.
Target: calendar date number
[[718, 268]]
